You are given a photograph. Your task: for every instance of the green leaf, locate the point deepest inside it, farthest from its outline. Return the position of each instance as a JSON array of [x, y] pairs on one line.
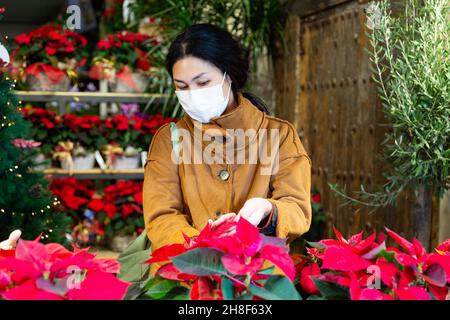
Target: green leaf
[[178, 293], [315, 298], [160, 288], [331, 290], [245, 296], [316, 245], [227, 289], [276, 288], [201, 262], [389, 256], [267, 270]]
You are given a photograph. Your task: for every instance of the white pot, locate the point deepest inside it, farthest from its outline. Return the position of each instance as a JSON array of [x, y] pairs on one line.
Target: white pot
[[120, 242], [124, 162], [144, 155], [140, 80], [44, 84], [39, 159], [80, 163]]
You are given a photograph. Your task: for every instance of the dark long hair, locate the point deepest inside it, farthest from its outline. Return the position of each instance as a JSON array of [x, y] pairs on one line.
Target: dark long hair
[[217, 46]]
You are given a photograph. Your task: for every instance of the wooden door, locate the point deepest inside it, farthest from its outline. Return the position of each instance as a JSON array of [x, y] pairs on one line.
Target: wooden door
[[324, 87]]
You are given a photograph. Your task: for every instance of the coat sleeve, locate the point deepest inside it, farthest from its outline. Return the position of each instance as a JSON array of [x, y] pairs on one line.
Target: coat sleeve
[[291, 188], [162, 198]]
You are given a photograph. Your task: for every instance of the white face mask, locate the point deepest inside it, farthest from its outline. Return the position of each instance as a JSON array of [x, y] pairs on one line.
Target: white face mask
[[204, 104]]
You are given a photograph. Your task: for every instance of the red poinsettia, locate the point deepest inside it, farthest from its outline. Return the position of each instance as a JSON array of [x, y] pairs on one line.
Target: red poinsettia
[[72, 193], [241, 254], [34, 271], [41, 117], [125, 49], [370, 270], [54, 52]]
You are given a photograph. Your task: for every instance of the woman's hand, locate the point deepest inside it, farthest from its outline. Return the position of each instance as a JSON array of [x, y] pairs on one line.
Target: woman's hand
[[222, 219], [255, 210], [12, 240]]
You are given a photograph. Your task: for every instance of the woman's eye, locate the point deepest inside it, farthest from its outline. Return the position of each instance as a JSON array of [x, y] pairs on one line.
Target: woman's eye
[[204, 83]]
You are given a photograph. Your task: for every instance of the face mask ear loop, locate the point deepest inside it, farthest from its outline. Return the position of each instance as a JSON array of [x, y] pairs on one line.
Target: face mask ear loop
[[223, 80]]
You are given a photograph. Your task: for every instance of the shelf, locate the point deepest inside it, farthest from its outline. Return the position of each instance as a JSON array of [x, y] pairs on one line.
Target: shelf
[[98, 174], [93, 97]]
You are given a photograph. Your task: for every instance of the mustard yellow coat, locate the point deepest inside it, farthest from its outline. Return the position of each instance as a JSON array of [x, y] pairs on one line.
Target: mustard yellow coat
[[180, 198]]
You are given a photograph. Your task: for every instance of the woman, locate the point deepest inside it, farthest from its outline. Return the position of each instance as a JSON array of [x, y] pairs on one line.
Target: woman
[[209, 70]]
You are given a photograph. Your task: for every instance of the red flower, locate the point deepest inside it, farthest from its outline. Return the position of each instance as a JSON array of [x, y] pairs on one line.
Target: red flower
[[104, 45], [110, 210], [316, 198], [143, 64], [43, 272], [96, 205], [306, 282], [23, 39], [138, 197], [50, 50], [127, 209]]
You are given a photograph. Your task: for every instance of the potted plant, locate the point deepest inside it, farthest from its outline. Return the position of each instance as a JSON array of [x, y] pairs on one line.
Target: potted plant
[[119, 210], [129, 159], [122, 59], [44, 129], [220, 266], [361, 268], [48, 57], [73, 156], [409, 51], [82, 159]]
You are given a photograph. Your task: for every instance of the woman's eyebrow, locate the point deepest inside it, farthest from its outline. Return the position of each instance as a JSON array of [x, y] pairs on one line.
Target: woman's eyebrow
[[193, 79]]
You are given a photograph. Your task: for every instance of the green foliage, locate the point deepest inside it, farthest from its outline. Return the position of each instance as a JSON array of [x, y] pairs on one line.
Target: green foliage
[[25, 201], [411, 66], [201, 262], [276, 288], [331, 291]]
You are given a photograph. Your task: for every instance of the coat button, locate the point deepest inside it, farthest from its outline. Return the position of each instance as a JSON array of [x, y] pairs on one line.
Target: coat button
[[224, 175]]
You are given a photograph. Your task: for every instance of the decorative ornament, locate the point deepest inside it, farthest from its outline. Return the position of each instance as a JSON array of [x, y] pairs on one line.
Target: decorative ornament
[[36, 190]]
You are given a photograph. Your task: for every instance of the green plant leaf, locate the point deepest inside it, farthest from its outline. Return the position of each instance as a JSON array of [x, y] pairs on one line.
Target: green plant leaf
[[331, 291], [161, 288], [276, 288], [389, 256], [227, 289], [201, 262]]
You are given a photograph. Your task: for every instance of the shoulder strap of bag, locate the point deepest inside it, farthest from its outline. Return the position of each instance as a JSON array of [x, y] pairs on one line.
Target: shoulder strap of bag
[[175, 140]]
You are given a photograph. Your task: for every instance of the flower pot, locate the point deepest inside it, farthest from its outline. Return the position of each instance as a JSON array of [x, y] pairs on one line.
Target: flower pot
[[41, 166], [120, 242], [80, 162], [43, 83], [144, 155], [124, 162], [134, 82]]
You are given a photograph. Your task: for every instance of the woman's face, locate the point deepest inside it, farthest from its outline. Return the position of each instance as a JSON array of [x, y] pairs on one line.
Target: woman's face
[[192, 73]]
